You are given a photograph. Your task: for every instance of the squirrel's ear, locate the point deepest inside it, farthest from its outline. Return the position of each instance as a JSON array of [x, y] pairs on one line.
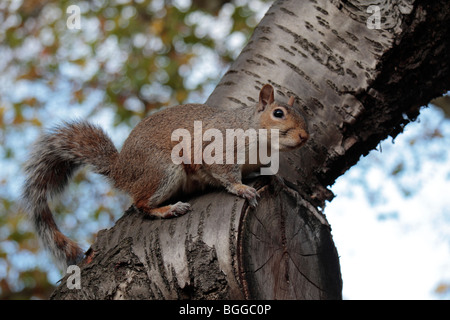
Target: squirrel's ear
[[291, 101], [265, 97]]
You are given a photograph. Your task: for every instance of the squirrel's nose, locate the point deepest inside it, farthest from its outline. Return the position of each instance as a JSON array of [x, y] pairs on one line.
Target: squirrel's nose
[[304, 136]]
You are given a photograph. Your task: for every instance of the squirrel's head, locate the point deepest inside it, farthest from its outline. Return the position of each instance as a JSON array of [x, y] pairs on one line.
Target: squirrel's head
[[293, 131]]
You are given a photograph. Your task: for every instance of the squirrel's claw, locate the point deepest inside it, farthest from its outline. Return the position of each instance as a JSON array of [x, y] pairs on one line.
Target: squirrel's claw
[[252, 202], [248, 193]]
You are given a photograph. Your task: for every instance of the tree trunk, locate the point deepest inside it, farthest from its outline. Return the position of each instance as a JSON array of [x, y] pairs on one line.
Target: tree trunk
[[356, 86]]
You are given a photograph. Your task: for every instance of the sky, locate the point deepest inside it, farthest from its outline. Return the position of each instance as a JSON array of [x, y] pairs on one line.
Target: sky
[[393, 246]]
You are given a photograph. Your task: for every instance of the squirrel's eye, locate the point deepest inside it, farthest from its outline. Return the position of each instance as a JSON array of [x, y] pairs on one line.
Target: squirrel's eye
[[278, 113]]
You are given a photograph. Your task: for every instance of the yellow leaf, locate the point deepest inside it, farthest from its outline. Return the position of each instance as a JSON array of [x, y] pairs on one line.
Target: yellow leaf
[[157, 26], [442, 288], [36, 122], [181, 95], [31, 101]]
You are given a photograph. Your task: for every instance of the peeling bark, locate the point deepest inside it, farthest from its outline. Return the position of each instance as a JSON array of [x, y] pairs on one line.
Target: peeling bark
[[356, 86]]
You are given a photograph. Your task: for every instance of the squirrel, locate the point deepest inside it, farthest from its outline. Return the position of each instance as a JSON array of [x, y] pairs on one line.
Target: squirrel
[[144, 168]]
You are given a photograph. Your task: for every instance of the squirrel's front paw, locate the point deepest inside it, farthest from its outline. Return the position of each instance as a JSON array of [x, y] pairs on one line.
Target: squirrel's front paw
[[246, 192]]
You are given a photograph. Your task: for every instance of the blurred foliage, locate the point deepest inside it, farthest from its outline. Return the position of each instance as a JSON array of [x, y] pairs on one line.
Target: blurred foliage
[[127, 59], [443, 103]]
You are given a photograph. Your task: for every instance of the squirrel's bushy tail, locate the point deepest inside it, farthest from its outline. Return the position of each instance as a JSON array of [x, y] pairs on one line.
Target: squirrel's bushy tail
[[54, 158]]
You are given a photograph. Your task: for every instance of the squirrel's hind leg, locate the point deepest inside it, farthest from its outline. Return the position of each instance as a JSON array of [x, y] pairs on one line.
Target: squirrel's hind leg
[[164, 212], [169, 211], [150, 199]]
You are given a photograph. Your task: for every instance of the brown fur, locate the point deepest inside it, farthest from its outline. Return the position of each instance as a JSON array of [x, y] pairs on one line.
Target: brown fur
[[144, 167]]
